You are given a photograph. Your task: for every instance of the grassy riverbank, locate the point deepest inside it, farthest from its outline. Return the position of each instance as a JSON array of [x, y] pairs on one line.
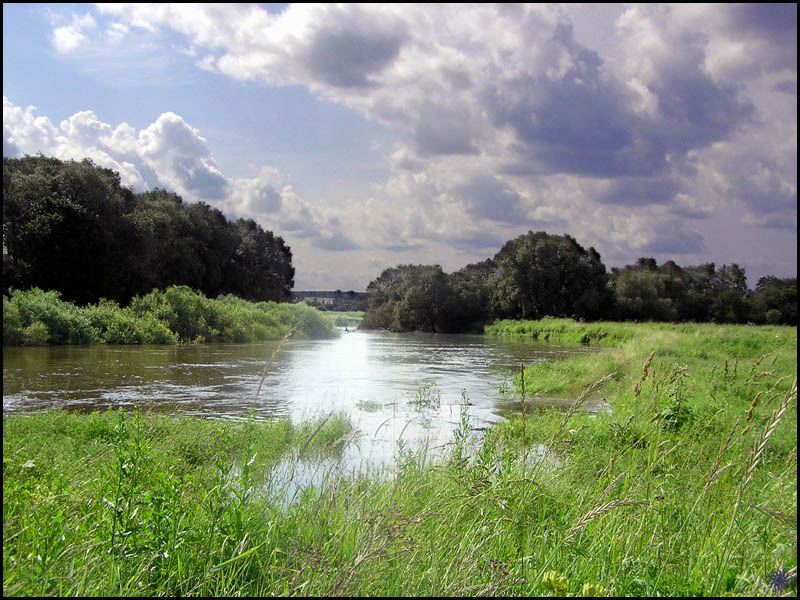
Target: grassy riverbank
[[688, 486], [175, 315]]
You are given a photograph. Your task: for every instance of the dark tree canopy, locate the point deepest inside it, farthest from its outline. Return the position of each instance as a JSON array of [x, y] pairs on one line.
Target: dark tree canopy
[[71, 226], [539, 274], [647, 292]]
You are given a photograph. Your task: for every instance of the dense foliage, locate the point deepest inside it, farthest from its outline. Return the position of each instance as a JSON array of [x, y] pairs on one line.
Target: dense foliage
[[548, 275], [72, 227], [177, 314], [425, 298], [540, 274]]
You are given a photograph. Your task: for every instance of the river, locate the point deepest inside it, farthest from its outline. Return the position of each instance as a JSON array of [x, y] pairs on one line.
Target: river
[[393, 386]]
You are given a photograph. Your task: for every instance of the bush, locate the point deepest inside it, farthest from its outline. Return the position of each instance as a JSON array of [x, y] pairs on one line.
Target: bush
[[112, 324], [177, 314], [12, 328], [35, 334], [65, 322], [153, 331]]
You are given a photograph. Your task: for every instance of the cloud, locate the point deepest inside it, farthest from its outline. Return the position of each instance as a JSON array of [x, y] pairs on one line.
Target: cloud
[[500, 82], [354, 51], [181, 157], [257, 196], [485, 196], [69, 37], [167, 153], [25, 132], [638, 191], [172, 154], [670, 238], [504, 117]]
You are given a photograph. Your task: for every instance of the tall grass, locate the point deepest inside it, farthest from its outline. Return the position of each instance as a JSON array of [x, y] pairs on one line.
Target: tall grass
[[687, 487]]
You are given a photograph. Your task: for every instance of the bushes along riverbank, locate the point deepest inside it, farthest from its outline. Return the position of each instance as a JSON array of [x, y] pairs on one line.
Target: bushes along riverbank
[[686, 486], [175, 315]]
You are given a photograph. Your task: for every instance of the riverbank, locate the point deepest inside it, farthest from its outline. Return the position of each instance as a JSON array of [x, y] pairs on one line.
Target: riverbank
[[176, 315], [687, 486]]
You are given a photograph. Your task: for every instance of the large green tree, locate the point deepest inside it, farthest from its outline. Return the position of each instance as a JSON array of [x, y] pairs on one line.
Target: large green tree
[[71, 227], [425, 298], [61, 224], [261, 266], [540, 274], [646, 292]]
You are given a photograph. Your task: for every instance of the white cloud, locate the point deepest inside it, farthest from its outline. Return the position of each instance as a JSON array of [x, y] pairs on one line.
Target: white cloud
[[25, 132], [68, 37], [116, 32], [181, 158]]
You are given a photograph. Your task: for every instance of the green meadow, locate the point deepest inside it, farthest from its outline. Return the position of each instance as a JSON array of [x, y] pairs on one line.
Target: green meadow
[[686, 485]]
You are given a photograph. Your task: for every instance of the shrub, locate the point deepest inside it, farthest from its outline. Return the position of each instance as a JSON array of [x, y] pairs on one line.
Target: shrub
[[177, 314], [12, 327], [112, 324], [65, 322], [35, 334], [153, 331]]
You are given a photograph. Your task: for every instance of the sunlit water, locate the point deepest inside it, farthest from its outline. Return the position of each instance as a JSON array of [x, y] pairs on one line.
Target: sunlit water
[[374, 377]]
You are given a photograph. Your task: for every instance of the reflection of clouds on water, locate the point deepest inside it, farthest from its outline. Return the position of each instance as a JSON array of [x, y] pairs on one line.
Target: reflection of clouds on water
[[373, 377]]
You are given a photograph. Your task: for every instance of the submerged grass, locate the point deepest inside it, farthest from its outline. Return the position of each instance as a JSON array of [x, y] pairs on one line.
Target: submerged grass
[[688, 486]]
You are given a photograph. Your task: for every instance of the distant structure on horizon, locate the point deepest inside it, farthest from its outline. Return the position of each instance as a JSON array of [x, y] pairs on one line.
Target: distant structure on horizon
[[336, 299]]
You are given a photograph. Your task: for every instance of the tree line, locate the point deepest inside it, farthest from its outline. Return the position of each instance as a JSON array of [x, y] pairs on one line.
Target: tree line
[[72, 227], [541, 274]]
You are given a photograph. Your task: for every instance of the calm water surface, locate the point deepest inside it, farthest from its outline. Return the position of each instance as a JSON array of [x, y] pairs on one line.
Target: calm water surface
[[372, 376]]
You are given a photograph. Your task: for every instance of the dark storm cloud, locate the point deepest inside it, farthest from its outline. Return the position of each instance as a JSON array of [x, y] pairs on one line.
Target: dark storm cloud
[[786, 87], [487, 197], [637, 191], [580, 122], [347, 58], [584, 122], [588, 127], [779, 222], [571, 126], [764, 19], [442, 131], [670, 239], [763, 187], [693, 110]]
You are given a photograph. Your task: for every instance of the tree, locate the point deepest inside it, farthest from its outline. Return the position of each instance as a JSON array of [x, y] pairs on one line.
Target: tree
[[71, 227], [425, 302], [540, 274], [424, 298], [640, 295], [775, 301], [262, 265], [59, 226]]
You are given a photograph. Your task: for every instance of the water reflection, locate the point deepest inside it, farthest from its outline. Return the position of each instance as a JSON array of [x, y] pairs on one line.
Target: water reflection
[[371, 376]]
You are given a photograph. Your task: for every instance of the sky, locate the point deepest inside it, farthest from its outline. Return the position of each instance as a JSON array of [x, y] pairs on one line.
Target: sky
[[369, 136]]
